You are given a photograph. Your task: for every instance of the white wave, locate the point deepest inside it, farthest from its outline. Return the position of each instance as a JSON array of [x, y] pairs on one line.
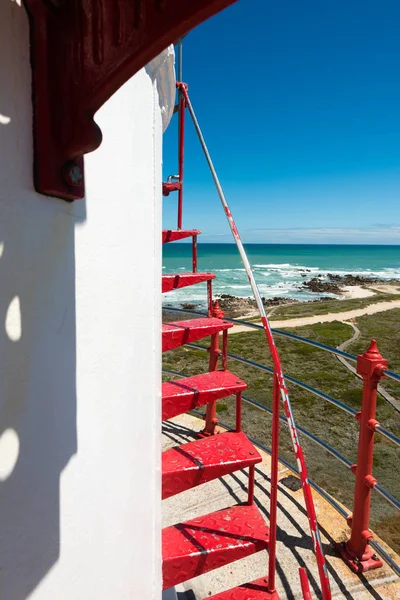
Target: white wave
[[386, 273], [273, 265], [286, 266], [227, 270]]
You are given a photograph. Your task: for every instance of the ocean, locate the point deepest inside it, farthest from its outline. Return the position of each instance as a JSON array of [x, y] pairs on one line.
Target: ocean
[[279, 269]]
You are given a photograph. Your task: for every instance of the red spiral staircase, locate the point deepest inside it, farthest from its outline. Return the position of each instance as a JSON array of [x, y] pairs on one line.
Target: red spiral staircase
[[219, 538]]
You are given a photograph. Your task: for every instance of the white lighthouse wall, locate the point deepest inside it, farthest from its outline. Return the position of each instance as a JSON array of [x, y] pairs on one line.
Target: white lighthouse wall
[[80, 351]]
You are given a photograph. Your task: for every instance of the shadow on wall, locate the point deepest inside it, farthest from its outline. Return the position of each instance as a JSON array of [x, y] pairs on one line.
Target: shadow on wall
[[37, 335]]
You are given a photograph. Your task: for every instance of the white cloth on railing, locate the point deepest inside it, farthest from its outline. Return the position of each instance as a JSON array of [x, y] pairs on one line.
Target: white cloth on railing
[[162, 70]]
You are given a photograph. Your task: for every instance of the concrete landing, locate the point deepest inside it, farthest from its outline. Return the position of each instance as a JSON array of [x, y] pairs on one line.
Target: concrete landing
[[294, 548]]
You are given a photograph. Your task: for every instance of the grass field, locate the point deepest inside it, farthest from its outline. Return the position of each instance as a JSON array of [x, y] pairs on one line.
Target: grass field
[[323, 371]]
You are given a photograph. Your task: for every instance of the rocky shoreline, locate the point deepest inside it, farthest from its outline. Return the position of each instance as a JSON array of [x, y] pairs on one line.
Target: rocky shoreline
[[332, 284], [234, 306]]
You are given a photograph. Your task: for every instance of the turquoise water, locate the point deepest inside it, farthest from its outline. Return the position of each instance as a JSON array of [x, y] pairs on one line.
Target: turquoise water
[[278, 268]]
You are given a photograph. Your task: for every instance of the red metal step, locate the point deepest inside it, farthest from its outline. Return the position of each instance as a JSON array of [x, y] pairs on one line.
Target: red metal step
[[183, 332], [172, 235], [256, 590], [175, 281], [192, 464], [182, 395], [211, 541]]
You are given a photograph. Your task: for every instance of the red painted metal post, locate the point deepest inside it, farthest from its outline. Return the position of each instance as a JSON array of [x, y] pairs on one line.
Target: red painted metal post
[[181, 150], [305, 586], [357, 552], [209, 299], [224, 349], [211, 410], [239, 411], [274, 484], [215, 352], [250, 492], [194, 254]]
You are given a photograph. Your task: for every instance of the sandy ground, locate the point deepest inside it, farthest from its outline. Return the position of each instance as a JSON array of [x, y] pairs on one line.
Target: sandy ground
[[327, 318], [356, 291], [386, 289]]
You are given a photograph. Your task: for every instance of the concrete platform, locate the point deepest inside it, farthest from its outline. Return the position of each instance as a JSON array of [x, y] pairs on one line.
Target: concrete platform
[[294, 547]]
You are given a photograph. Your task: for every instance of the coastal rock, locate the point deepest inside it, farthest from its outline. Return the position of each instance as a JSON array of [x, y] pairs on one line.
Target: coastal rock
[[278, 301], [317, 286], [350, 279], [189, 305], [233, 306]]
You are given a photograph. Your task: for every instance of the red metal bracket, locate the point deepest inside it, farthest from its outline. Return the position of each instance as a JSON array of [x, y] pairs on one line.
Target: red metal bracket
[[81, 53], [167, 188]]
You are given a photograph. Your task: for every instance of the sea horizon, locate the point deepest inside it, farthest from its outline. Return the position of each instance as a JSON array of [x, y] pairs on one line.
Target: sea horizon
[[202, 243], [279, 269]]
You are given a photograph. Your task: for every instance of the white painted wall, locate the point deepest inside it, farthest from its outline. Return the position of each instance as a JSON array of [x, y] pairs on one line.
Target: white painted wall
[[80, 351]]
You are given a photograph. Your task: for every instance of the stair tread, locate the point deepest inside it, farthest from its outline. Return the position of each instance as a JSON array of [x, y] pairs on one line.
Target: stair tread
[[195, 463], [211, 541], [172, 235], [205, 382], [178, 333], [181, 395], [175, 281], [254, 590]]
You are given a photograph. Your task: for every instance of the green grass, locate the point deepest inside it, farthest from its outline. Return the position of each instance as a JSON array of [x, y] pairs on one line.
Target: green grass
[[323, 371], [385, 328], [307, 309]]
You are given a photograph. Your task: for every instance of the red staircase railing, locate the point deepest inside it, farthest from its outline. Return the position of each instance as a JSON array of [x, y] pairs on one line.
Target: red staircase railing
[[315, 535], [305, 586], [274, 482], [361, 551], [215, 354]]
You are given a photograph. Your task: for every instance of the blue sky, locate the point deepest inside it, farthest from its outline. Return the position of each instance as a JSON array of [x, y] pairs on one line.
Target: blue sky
[[299, 103]]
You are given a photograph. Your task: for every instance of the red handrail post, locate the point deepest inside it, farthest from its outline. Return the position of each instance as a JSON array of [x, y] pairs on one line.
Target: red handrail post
[[274, 484], [210, 417], [194, 254], [357, 552], [305, 586], [181, 149]]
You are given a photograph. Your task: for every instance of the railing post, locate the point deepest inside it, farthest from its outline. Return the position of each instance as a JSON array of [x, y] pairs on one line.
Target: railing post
[[194, 253], [210, 306], [357, 552], [305, 586], [274, 484], [181, 150], [210, 417]]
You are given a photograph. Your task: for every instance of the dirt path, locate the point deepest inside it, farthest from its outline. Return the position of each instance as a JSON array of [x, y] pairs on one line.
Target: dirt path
[[350, 366], [327, 318]]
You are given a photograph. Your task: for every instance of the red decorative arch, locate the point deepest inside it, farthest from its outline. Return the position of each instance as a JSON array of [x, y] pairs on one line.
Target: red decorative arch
[[82, 51]]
